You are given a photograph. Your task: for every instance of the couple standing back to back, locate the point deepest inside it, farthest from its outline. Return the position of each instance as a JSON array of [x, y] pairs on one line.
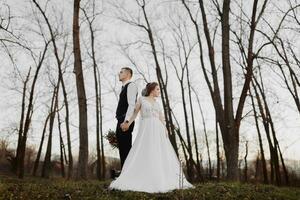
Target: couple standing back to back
[[150, 164]]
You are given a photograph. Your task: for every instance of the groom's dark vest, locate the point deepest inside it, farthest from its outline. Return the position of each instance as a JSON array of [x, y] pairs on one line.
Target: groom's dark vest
[[123, 104]]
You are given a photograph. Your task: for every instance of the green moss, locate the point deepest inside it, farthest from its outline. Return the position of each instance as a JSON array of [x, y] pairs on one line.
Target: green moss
[[37, 188]]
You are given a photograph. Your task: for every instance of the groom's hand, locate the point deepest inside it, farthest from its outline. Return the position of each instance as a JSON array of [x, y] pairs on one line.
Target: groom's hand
[[124, 126]]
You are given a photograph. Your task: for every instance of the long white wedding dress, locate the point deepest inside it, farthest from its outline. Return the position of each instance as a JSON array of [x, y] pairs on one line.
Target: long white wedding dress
[[151, 165]]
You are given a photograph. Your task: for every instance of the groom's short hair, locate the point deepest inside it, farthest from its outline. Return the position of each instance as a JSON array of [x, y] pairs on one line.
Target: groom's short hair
[[129, 70]]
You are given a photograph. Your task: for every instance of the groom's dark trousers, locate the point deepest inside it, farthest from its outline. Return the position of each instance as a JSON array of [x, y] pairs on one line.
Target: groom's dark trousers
[[124, 140]]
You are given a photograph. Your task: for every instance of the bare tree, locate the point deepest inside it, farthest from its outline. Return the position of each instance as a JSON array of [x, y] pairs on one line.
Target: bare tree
[[20, 131], [262, 154], [97, 81], [269, 129], [59, 61], [206, 136], [27, 122], [272, 127], [183, 66], [286, 59], [228, 120], [54, 107]]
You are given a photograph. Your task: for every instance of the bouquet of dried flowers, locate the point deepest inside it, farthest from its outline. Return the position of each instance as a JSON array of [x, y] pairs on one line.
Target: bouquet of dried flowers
[[112, 138]]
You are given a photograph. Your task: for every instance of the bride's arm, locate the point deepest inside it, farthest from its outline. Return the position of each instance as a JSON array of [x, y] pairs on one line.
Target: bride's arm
[[135, 113]]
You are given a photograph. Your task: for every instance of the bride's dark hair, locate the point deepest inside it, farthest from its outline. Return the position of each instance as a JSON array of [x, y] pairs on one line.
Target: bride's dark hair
[[149, 88]]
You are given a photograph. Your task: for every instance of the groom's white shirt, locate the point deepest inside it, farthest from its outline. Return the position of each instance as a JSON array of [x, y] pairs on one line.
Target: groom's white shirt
[[132, 92]]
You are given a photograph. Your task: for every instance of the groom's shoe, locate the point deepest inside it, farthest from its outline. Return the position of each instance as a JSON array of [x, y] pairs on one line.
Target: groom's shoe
[[118, 173], [114, 173]]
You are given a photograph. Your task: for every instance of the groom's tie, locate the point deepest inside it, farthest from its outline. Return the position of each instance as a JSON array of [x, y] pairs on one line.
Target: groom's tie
[[122, 87]]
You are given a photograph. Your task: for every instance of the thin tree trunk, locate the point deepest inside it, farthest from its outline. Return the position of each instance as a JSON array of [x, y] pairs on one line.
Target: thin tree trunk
[[61, 142], [205, 134], [217, 151], [101, 127], [100, 153], [99, 170], [246, 164], [286, 175], [20, 168], [187, 130], [262, 154], [59, 63], [47, 166], [266, 127], [193, 121], [38, 156], [276, 144], [189, 164], [20, 132], [273, 148]]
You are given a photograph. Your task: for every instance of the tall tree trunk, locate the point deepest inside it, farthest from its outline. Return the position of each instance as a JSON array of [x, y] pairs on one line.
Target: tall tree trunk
[[101, 127], [99, 170], [231, 136], [189, 143], [38, 156], [59, 64], [98, 111], [97, 98], [20, 132], [205, 134], [189, 164], [69, 144], [262, 154], [193, 123], [61, 142], [269, 120], [29, 113], [272, 147], [286, 175], [47, 166], [277, 147], [82, 106], [267, 130]]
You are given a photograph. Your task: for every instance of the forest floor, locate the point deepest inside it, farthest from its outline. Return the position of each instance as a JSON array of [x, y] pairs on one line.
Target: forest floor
[[57, 188]]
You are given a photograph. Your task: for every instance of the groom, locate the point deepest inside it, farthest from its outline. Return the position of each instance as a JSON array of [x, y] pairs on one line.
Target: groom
[[125, 109]]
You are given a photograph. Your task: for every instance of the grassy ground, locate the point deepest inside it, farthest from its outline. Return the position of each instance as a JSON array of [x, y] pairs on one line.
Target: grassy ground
[[35, 188]]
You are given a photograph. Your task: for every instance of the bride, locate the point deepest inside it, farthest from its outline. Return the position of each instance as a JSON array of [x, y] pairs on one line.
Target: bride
[[152, 165]]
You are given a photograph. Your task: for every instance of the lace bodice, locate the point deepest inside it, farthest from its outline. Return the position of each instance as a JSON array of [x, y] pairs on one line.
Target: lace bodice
[[149, 109]]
